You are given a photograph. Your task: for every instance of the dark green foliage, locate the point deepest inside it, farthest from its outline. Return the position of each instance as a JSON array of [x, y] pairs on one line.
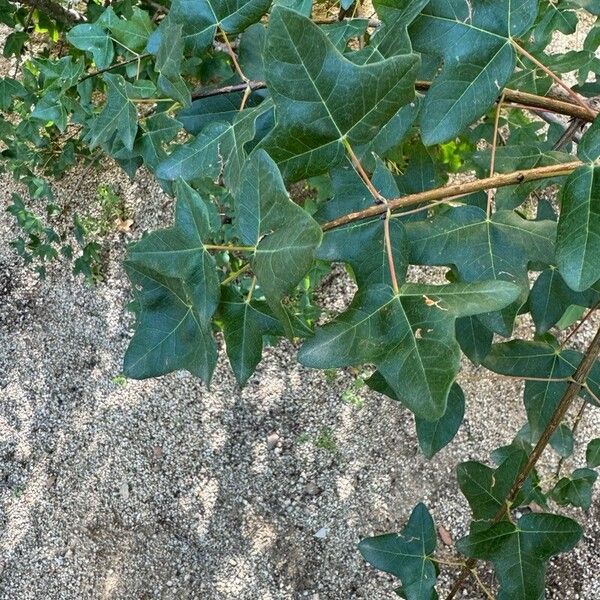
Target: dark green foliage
[[267, 127]]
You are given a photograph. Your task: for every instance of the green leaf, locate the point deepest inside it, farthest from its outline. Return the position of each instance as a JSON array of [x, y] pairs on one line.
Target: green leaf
[[409, 337], [486, 489], [503, 245], [177, 292], [474, 40], [169, 58], [244, 325], [562, 441], [285, 235], [588, 149], [117, 122], [475, 339], [93, 39], [435, 435], [217, 150], [222, 108], [550, 297], [520, 358], [341, 32], [159, 130], [304, 7], [9, 90], [578, 242], [592, 454], [362, 245], [575, 490], [432, 435], [391, 37], [407, 555], [322, 99], [519, 551], [50, 108], [134, 32], [202, 18]]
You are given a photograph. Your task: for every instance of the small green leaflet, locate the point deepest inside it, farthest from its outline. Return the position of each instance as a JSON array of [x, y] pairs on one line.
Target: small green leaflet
[[218, 149], [407, 555], [562, 441], [9, 90], [409, 337], [578, 242], [134, 32], [361, 244], [592, 454], [118, 119], [168, 63], [391, 37], [520, 551], [588, 149], [202, 18], [538, 359], [575, 490], [93, 39], [322, 99], [474, 40], [159, 129], [285, 236], [244, 325], [176, 286], [503, 246], [486, 489], [474, 337], [432, 435], [550, 297]]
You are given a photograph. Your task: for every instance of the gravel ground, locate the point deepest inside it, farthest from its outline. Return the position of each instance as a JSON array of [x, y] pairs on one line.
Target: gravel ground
[[167, 489]]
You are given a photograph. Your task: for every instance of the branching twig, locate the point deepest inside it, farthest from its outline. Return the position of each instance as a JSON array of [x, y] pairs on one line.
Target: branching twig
[[136, 59], [457, 189], [574, 95], [490, 192], [384, 204], [581, 374]]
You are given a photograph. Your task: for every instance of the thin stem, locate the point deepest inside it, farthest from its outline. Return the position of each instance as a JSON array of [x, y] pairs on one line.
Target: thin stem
[[362, 173], [382, 202], [483, 587], [574, 95], [572, 391], [490, 192], [524, 99], [238, 69], [233, 276], [389, 252], [579, 325], [449, 563], [252, 287], [422, 208], [229, 248], [229, 89], [115, 66], [589, 391], [458, 189]]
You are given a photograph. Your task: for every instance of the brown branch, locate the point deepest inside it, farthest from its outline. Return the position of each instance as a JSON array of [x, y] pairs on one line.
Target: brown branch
[[524, 99], [569, 396], [458, 189], [574, 95], [54, 11], [229, 89]]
